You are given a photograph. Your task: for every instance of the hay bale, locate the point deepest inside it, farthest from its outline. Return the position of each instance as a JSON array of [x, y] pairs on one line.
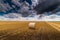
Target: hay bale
[[32, 25]]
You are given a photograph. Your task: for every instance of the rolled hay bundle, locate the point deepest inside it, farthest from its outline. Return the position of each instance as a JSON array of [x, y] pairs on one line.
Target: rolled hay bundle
[[32, 25]]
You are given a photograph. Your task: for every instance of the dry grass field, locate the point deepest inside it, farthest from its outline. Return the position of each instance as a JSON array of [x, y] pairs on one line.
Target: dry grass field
[[21, 31]]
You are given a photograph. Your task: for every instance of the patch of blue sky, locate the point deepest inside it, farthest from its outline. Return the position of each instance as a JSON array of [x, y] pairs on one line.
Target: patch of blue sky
[[58, 13], [2, 13], [48, 13]]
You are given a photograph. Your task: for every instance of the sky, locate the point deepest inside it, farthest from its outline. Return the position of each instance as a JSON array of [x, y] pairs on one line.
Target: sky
[[18, 17], [32, 15]]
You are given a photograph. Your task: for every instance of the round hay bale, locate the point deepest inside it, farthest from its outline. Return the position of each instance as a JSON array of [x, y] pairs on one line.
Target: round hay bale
[[32, 25]]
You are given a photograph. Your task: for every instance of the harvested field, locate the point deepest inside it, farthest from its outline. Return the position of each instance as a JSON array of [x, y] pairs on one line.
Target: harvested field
[[19, 30]]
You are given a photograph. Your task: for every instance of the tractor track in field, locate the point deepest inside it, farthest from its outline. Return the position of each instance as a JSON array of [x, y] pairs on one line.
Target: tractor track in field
[[42, 31]]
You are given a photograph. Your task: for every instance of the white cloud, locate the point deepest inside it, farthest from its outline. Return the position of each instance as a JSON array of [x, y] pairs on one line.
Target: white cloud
[[51, 18], [18, 17]]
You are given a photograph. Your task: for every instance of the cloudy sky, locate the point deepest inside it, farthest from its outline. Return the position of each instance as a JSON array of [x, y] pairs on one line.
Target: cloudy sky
[[31, 14], [18, 17]]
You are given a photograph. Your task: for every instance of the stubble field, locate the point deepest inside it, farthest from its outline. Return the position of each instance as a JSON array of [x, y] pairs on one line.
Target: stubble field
[[19, 30]]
